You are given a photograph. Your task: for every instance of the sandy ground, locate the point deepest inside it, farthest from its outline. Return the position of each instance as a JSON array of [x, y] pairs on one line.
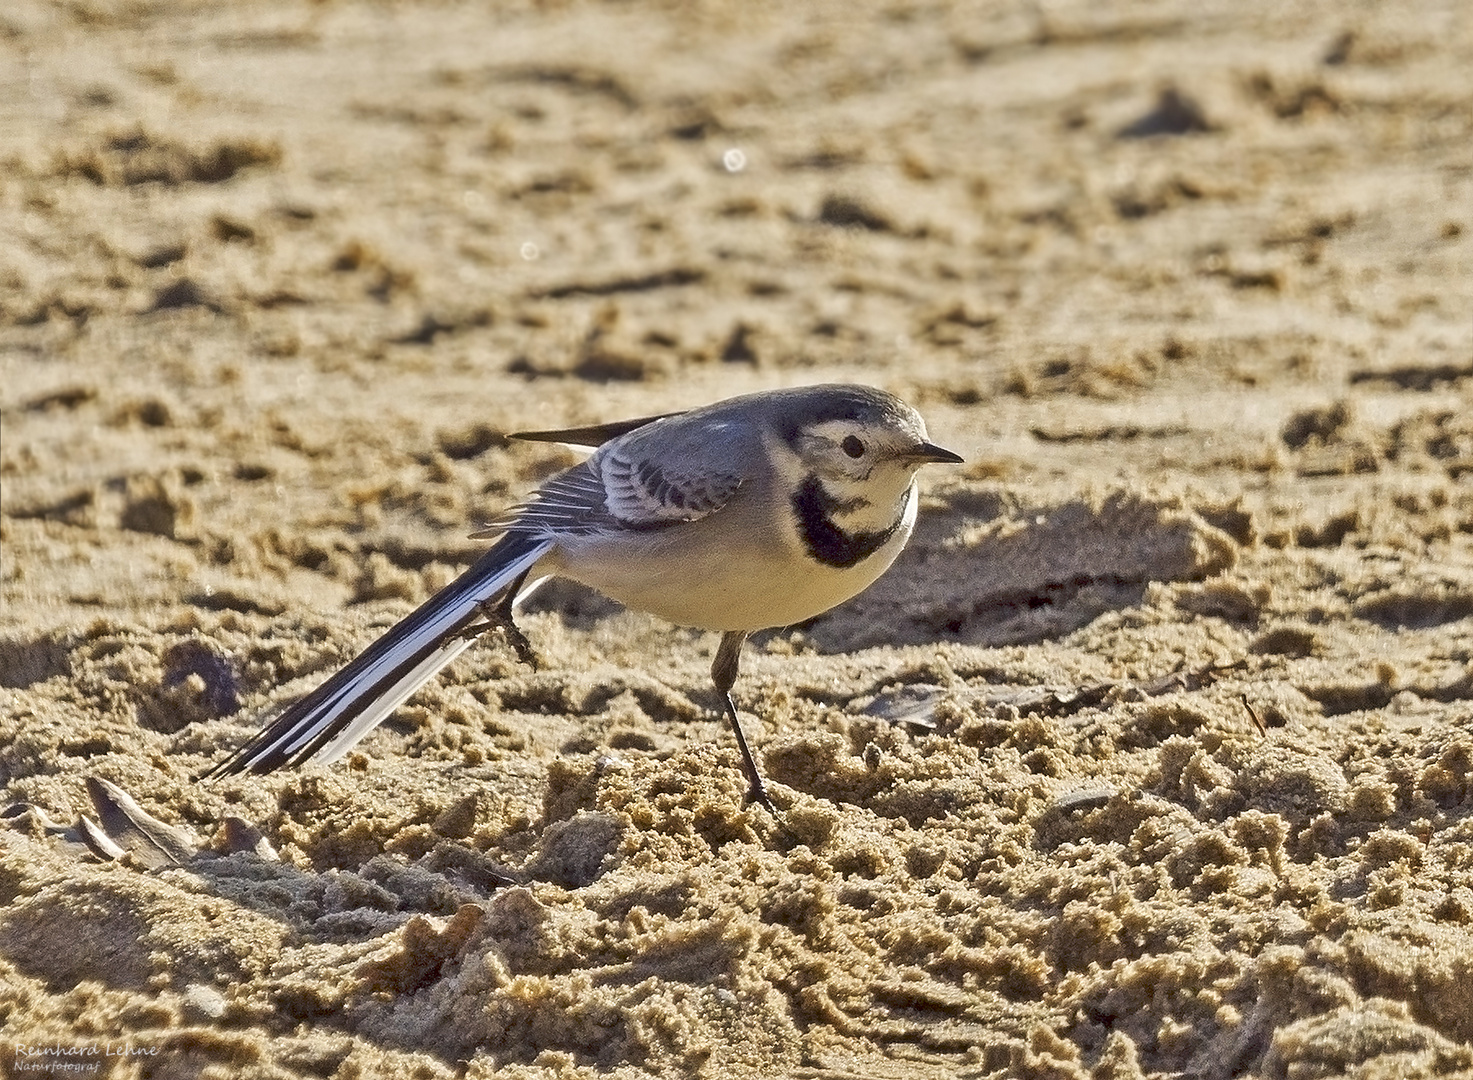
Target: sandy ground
[[1152, 756]]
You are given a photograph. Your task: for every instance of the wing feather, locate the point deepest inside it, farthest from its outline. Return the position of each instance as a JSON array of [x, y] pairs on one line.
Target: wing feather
[[593, 435], [618, 489], [643, 491], [573, 501], [645, 474]]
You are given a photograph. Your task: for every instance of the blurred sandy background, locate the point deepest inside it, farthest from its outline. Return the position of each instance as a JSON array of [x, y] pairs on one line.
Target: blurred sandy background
[[1189, 284]]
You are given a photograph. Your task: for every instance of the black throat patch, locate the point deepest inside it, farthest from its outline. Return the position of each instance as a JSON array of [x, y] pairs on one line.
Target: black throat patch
[[825, 541]]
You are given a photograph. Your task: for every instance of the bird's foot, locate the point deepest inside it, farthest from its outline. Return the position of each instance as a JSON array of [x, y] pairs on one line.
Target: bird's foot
[[498, 617], [519, 644], [757, 793]]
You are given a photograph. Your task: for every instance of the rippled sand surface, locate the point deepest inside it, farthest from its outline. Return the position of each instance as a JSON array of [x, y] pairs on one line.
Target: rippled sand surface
[[1152, 756]]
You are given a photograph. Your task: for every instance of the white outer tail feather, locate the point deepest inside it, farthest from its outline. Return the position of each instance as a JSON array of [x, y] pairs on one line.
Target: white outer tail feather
[[354, 701], [381, 706]]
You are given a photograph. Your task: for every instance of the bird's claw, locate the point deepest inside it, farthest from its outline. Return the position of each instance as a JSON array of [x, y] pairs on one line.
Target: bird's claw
[[498, 617]]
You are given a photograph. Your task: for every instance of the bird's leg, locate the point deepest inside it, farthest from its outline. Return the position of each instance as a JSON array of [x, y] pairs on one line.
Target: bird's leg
[[497, 612], [723, 674]]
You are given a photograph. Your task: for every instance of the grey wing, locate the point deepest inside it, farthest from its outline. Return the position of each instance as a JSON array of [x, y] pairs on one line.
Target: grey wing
[[665, 472], [673, 471], [588, 437], [573, 501]]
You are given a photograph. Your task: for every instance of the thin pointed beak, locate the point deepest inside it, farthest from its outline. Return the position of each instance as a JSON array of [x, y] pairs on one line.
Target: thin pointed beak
[[927, 453]]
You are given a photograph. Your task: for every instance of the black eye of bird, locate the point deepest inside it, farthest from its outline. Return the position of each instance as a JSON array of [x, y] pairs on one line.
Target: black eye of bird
[[852, 446]]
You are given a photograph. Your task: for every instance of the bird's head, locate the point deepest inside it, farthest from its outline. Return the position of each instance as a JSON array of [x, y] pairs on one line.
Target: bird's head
[[862, 447], [857, 435]]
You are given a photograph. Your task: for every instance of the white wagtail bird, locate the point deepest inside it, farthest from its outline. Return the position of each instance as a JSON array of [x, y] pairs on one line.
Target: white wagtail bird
[[756, 512]]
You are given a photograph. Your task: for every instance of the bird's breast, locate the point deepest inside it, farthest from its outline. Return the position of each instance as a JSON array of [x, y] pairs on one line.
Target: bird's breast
[[738, 569]]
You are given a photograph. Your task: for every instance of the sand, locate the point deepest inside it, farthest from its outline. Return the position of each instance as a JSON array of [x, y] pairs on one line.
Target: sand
[[1153, 755]]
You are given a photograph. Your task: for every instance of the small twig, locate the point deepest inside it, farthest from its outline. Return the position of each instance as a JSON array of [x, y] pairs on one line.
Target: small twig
[[1253, 715]]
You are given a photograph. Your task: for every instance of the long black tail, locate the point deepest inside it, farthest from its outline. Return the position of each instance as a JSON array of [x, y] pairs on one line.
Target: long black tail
[[327, 723]]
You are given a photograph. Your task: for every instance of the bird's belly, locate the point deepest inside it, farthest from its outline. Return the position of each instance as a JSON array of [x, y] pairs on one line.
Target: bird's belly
[[717, 581]]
